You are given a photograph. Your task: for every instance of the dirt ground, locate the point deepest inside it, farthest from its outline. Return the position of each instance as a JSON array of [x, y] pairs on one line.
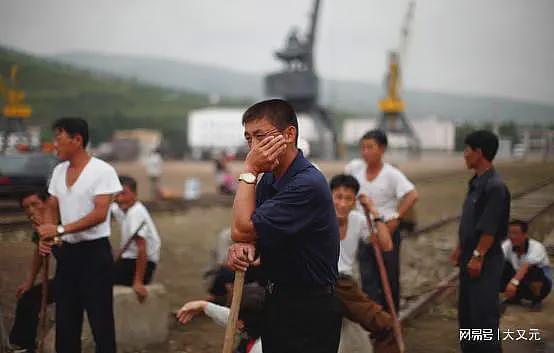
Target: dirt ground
[[189, 236], [437, 330]]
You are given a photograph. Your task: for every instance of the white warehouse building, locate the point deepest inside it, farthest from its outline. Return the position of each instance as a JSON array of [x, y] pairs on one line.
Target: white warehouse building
[[434, 133], [217, 129]]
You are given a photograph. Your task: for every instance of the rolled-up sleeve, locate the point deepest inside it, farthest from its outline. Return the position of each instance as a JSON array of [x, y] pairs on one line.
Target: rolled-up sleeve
[[287, 213], [496, 206]]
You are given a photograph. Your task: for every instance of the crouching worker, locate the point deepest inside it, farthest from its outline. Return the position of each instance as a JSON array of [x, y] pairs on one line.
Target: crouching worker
[[527, 273], [24, 331], [250, 316], [135, 261], [353, 227]]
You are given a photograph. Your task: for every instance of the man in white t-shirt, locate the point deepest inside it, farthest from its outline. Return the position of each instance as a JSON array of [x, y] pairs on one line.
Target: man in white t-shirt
[[527, 273], [353, 229], [140, 243], [393, 195], [77, 216]]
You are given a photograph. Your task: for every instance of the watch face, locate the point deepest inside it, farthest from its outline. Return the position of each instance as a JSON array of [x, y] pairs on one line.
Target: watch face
[[248, 177]]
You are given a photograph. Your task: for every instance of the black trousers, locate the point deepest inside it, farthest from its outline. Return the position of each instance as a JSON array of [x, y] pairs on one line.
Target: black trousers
[[534, 275], [301, 321], [84, 281], [478, 302], [124, 272], [24, 329], [369, 271]]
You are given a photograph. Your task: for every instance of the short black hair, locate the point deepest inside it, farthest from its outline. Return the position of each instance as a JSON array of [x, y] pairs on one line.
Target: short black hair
[[346, 180], [41, 193], [278, 111], [524, 226], [73, 126], [251, 309], [484, 140], [379, 136], [128, 181]]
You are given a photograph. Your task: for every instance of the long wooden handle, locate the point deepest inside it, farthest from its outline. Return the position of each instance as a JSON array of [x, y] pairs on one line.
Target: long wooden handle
[[386, 288], [234, 314], [388, 297], [44, 303]]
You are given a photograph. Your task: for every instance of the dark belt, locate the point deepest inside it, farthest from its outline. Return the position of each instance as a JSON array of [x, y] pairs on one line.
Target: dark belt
[[295, 289]]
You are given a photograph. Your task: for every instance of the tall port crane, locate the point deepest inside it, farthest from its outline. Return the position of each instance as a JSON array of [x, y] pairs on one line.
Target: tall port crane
[[393, 118]]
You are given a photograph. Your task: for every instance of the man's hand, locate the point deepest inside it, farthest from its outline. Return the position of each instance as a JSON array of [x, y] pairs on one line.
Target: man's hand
[[510, 291], [45, 247], [263, 156], [367, 203], [455, 257], [393, 225], [47, 231], [190, 310], [240, 256], [140, 291], [23, 288], [474, 267]]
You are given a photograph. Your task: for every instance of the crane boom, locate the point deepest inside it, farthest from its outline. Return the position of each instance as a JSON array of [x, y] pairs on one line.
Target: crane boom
[[392, 106]]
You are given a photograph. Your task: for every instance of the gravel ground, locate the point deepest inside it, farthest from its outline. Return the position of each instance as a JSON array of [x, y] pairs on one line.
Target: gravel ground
[[189, 236]]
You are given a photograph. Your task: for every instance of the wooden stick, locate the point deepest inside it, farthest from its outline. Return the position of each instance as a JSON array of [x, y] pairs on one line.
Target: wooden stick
[[231, 328], [4, 345], [386, 289], [388, 296], [44, 302]]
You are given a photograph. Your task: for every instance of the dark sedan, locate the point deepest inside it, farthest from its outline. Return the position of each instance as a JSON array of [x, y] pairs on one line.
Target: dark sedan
[[24, 172]]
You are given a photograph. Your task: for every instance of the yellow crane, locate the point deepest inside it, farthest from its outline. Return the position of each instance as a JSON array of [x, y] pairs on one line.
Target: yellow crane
[[13, 134], [392, 106], [14, 104]]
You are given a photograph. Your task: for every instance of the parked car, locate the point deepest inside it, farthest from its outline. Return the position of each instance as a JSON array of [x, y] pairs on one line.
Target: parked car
[[24, 172]]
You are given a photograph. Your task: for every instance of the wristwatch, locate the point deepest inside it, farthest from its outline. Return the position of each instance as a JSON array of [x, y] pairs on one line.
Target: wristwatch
[[515, 282], [248, 178], [378, 219], [477, 254], [60, 229]]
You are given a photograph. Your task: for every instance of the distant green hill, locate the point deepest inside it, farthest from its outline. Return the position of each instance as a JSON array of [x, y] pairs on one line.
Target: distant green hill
[[347, 96], [108, 103]]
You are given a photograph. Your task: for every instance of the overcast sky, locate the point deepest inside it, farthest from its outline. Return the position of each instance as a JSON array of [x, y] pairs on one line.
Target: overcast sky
[[494, 47]]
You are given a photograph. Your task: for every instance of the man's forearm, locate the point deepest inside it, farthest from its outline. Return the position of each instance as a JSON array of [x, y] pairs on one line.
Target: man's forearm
[[522, 271], [383, 236], [485, 243], [243, 208], [51, 213], [90, 220], [406, 203], [35, 266], [140, 266]]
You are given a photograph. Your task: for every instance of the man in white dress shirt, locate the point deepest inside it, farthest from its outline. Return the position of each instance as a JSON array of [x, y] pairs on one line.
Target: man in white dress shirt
[[77, 216], [139, 252], [527, 272], [353, 229]]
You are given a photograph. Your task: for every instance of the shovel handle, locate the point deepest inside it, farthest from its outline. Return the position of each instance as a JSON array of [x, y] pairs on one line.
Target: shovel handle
[[231, 328]]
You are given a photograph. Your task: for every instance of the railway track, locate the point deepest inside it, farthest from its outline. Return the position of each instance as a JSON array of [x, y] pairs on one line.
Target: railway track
[[526, 205]]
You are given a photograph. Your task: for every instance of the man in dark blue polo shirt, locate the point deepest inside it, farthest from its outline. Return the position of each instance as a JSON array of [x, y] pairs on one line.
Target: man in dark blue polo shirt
[[289, 215], [483, 227]]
